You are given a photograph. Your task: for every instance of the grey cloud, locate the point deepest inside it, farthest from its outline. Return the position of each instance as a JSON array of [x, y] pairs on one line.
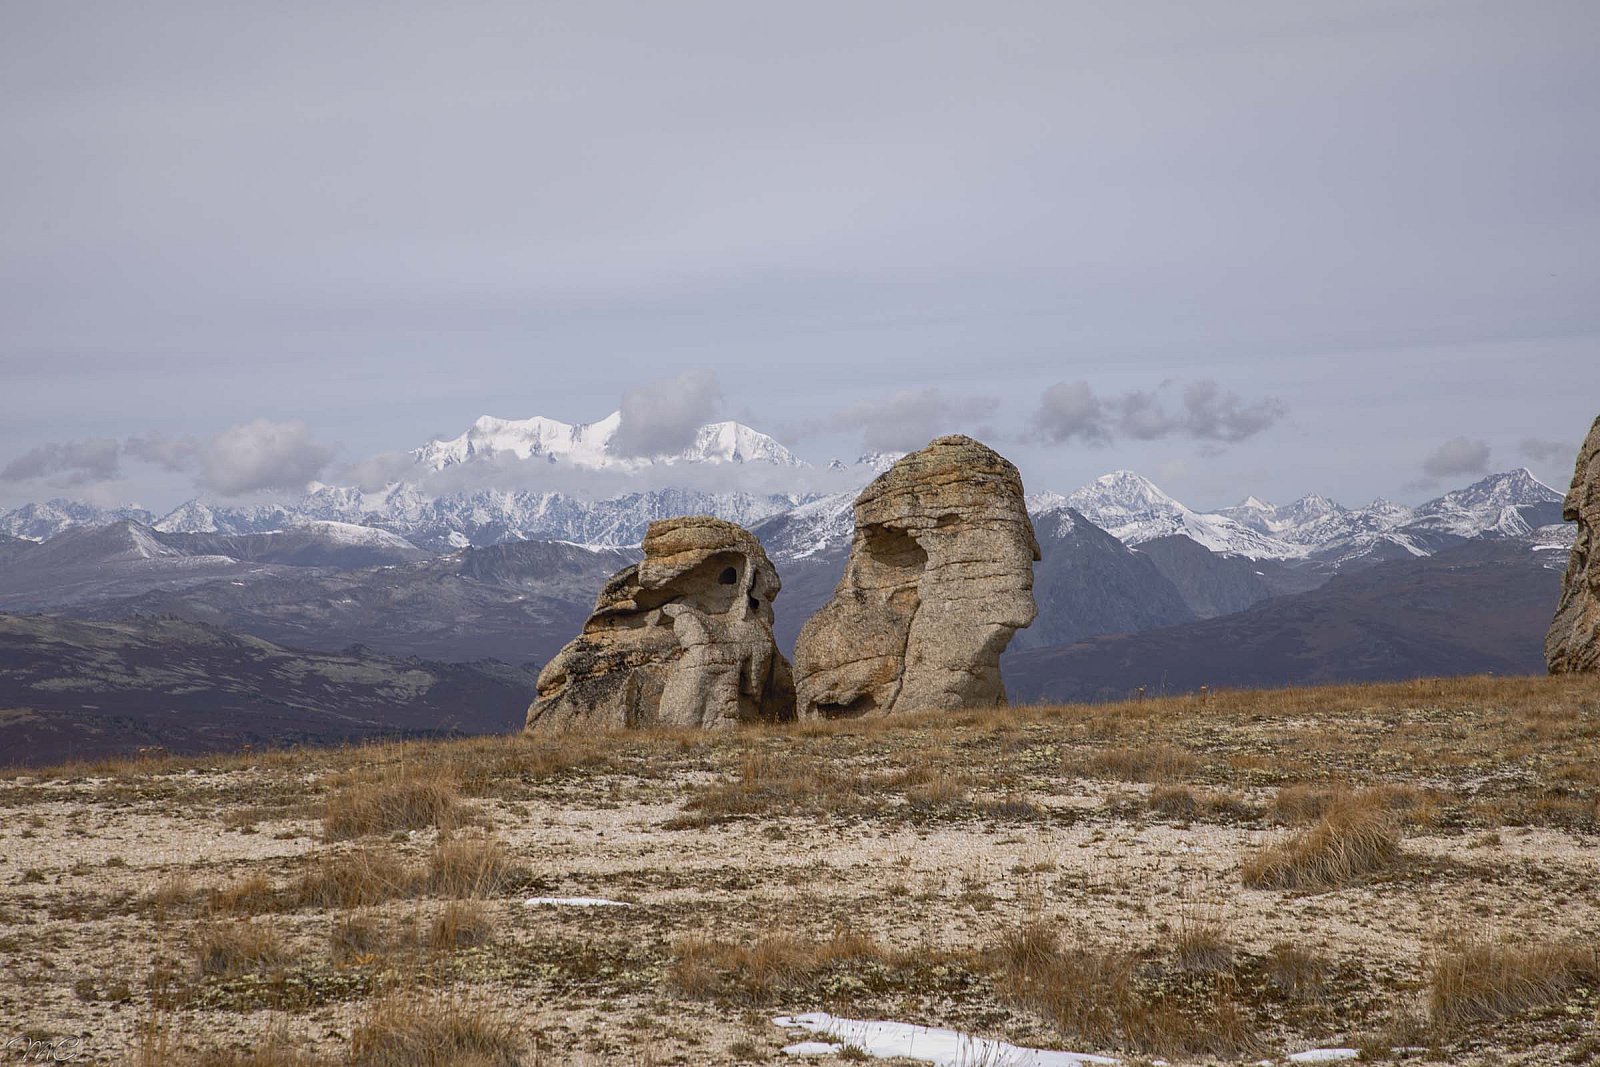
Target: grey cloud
[[1204, 411], [79, 462], [260, 455], [1210, 414], [1541, 450], [169, 453], [661, 418], [1459, 455], [909, 419], [1068, 411]]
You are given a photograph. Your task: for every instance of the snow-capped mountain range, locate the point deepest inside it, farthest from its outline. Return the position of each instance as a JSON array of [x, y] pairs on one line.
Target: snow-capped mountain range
[[1127, 505], [1135, 510], [593, 445]]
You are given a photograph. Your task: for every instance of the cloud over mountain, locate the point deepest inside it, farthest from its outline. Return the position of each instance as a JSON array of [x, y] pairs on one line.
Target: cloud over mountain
[[79, 462], [1459, 455], [910, 418], [249, 457], [662, 417], [1200, 410]]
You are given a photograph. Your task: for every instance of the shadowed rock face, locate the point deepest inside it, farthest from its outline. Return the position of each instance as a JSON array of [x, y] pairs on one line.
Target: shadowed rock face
[[682, 639], [1573, 643], [940, 576]]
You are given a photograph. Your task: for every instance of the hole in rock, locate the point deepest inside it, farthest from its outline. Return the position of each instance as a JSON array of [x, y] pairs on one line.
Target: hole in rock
[[848, 710], [728, 576], [893, 548]]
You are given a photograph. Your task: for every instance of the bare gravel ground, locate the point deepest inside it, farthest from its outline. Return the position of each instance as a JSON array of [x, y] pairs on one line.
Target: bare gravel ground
[[1088, 878]]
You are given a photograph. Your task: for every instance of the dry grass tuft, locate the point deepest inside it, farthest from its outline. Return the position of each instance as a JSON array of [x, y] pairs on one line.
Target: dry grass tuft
[[171, 894], [1202, 946], [406, 796], [1296, 973], [411, 1032], [1095, 996], [471, 867], [1485, 981], [754, 972], [253, 895], [462, 924], [1160, 762], [1184, 804], [357, 879], [354, 940], [158, 1046], [1357, 835], [233, 948]]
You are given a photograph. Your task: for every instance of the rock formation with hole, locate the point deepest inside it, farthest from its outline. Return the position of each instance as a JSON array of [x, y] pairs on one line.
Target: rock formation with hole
[[1573, 643], [940, 576], [683, 638]]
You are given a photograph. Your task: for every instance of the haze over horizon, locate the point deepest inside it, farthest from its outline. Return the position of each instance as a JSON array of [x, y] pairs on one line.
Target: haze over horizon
[[1245, 249]]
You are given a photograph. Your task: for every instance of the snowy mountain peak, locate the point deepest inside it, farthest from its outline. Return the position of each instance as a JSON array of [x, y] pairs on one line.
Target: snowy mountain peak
[[590, 444], [879, 461], [1507, 489], [733, 442], [189, 517], [1134, 510], [1128, 489]]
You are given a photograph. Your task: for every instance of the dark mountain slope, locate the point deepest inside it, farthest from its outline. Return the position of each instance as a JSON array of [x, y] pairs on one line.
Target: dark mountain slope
[[1210, 584], [87, 564], [1087, 582], [335, 545], [1479, 607], [70, 688], [517, 602], [13, 548]]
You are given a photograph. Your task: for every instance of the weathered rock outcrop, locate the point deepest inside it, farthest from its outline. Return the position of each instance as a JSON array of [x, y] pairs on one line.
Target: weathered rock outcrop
[[940, 576], [682, 639], [1573, 643]]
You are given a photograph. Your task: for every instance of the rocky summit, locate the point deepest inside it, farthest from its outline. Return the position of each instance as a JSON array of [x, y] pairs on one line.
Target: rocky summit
[[683, 638], [1573, 643], [940, 575]]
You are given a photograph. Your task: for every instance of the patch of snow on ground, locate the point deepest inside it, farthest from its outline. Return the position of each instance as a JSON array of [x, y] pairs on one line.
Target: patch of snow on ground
[[948, 1048], [811, 1048], [574, 902], [1324, 1055]]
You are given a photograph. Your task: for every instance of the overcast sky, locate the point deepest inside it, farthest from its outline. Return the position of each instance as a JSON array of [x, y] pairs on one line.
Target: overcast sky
[[1348, 247]]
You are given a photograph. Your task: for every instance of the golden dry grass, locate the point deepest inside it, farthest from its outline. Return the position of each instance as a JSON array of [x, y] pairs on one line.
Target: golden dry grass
[[1484, 981], [410, 1031], [232, 948], [159, 1046], [407, 796], [470, 867], [1357, 835], [1094, 995], [757, 970], [1159, 762], [355, 879], [462, 924]]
